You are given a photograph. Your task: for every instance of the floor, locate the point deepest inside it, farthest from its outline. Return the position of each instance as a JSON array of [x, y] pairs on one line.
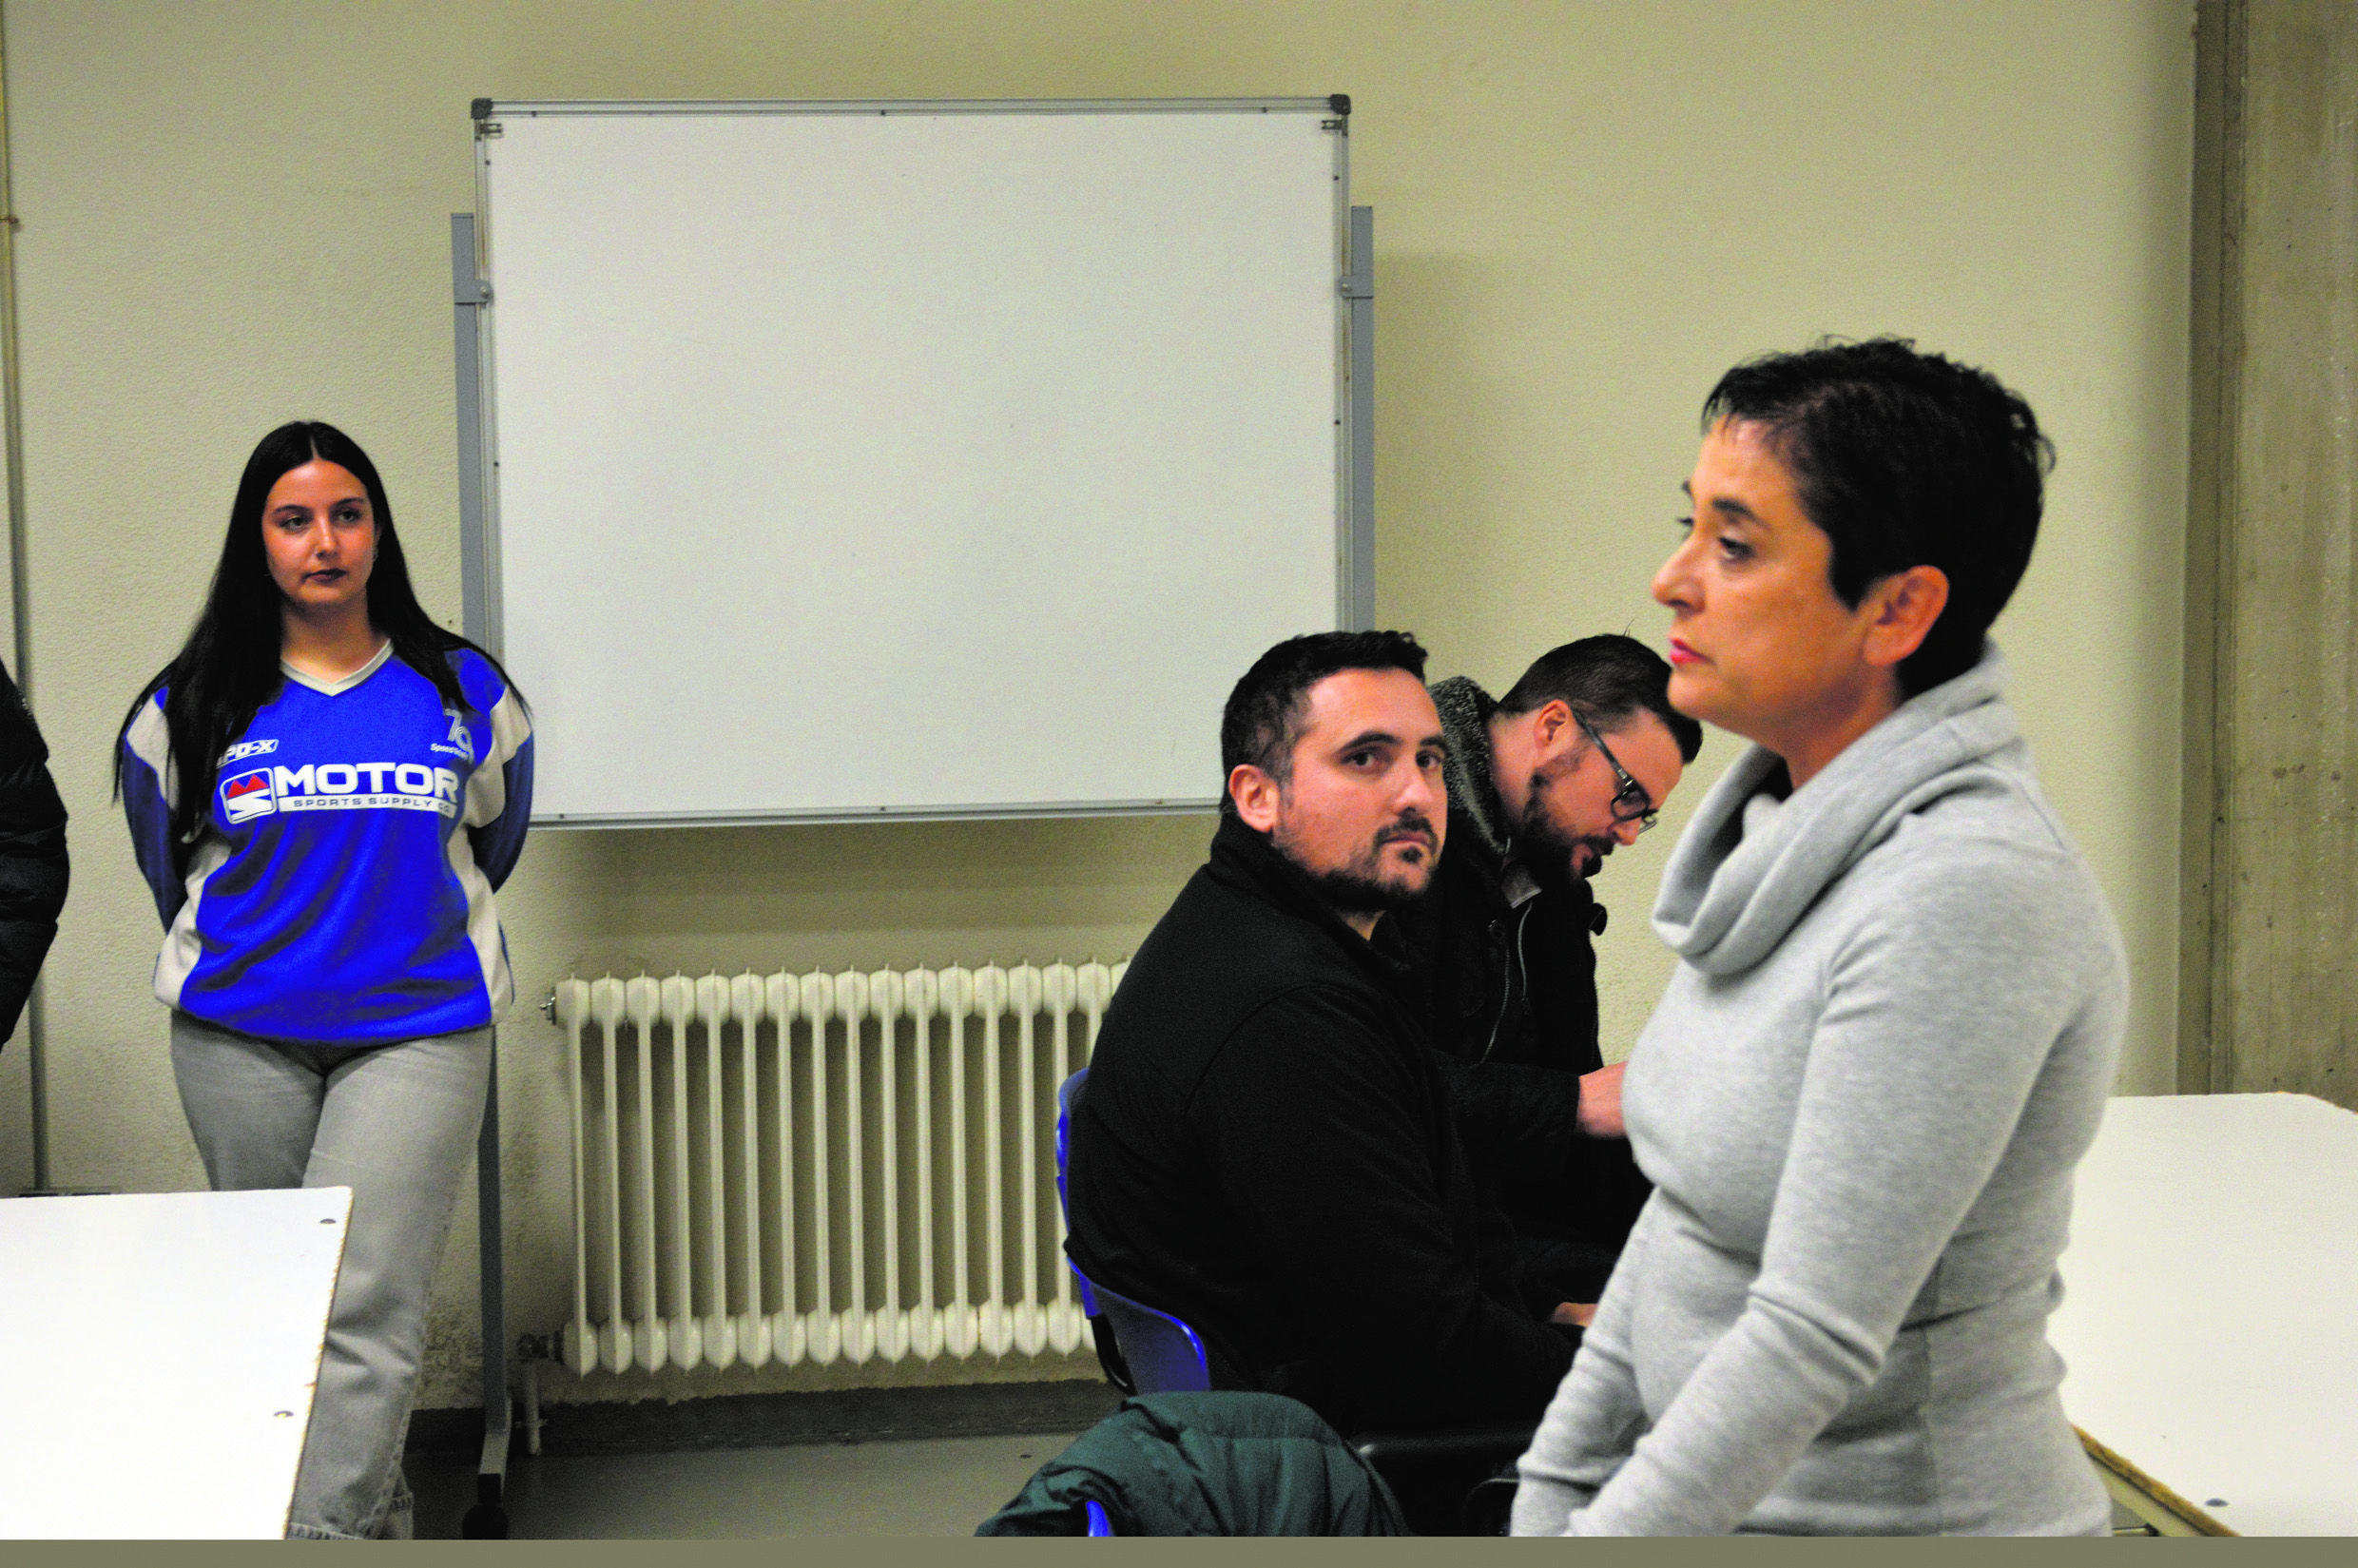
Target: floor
[[935, 1487]]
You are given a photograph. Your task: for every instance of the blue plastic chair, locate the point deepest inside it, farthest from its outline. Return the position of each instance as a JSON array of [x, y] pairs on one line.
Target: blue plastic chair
[[1163, 1354], [1068, 1095]]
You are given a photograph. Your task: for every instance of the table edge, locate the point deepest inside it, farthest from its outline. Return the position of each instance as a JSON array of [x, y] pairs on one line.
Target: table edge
[[2193, 1520]]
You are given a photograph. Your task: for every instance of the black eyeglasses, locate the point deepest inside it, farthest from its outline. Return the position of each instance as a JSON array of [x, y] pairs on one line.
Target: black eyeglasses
[[1630, 804]]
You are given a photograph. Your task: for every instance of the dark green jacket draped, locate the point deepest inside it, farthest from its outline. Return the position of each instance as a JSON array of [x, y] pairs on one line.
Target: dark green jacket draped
[[1222, 1464]]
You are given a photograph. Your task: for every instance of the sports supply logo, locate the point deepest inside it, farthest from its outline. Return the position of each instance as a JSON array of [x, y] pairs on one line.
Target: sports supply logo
[[335, 787]]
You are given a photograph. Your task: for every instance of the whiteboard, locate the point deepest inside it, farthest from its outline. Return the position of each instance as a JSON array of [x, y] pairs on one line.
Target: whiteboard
[[919, 459]]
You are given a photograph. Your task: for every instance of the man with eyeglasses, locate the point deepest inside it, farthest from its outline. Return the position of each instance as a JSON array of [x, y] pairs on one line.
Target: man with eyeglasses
[[1545, 783]]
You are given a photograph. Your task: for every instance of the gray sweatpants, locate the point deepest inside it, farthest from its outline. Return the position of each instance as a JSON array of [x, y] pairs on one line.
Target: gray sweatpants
[[395, 1123]]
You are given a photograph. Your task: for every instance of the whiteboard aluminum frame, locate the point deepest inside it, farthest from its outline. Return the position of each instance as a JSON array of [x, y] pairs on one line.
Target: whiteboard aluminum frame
[[477, 427]]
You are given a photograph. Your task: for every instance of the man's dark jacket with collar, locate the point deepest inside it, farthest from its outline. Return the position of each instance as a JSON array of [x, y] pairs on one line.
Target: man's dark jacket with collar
[[33, 869], [1509, 993], [1265, 1149]]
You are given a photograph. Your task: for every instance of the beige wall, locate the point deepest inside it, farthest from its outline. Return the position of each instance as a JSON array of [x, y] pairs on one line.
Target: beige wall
[[235, 214]]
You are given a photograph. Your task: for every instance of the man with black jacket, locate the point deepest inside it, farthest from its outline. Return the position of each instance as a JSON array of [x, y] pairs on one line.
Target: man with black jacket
[[1545, 783], [1264, 1148], [32, 854]]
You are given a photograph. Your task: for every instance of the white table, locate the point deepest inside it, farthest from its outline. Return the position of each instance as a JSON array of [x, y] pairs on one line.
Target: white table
[[158, 1353], [2210, 1318]]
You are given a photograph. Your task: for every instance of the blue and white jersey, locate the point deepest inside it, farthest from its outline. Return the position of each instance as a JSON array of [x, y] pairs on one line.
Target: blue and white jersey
[[340, 892]]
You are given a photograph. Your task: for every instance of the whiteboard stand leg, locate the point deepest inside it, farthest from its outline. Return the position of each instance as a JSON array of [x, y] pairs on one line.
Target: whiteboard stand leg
[[487, 1519]]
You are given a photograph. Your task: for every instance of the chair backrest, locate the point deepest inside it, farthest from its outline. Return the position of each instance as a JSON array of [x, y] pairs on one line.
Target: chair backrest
[[1069, 1097], [1165, 1356]]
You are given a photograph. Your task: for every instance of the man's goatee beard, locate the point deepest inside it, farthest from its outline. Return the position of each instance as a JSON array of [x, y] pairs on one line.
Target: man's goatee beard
[[1352, 893]]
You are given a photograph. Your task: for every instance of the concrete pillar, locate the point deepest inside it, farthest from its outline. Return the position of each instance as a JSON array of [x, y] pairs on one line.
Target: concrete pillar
[[2270, 971]]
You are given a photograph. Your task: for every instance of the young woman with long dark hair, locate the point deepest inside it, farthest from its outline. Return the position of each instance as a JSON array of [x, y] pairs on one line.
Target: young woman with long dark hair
[[324, 789]]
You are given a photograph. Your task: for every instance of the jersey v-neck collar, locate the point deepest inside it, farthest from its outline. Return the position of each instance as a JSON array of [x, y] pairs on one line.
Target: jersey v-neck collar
[[338, 687]]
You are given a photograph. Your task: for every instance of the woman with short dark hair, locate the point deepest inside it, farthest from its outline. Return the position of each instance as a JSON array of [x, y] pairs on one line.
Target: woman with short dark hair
[[324, 787], [1896, 1013]]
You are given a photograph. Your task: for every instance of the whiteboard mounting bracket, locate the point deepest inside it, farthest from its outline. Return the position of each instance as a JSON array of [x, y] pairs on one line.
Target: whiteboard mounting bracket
[[470, 293], [1359, 521]]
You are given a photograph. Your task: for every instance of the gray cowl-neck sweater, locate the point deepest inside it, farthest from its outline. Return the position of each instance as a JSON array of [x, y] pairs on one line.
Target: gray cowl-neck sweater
[[1887, 1042]]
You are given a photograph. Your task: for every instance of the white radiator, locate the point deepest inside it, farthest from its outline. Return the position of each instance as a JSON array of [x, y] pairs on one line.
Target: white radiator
[[806, 1167]]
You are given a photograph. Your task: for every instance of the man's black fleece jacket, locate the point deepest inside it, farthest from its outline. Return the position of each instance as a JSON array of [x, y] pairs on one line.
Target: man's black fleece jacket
[[32, 854], [1265, 1149]]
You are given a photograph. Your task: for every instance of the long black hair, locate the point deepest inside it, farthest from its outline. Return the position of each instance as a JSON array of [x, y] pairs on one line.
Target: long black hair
[[229, 666]]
